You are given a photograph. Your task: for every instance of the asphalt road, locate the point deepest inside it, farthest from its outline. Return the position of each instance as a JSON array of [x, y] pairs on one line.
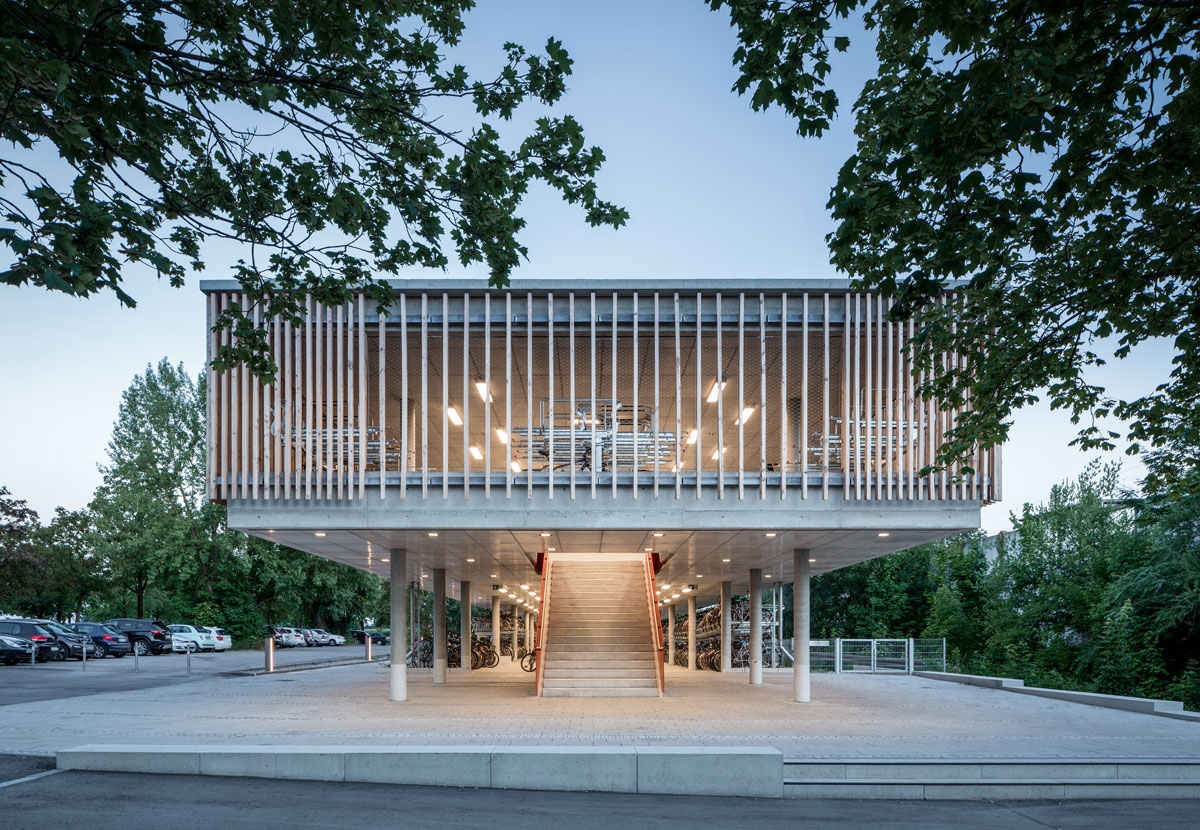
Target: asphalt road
[[132, 801], [55, 681]]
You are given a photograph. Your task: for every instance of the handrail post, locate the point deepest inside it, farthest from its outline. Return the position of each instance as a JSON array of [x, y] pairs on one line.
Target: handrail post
[[540, 649]]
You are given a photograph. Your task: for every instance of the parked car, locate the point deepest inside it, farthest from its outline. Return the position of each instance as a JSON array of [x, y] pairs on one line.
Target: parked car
[[14, 650], [336, 639], [70, 642], [294, 637], [147, 636], [310, 637], [279, 635], [377, 637], [222, 639], [106, 639], [190, 638], [42, 638]]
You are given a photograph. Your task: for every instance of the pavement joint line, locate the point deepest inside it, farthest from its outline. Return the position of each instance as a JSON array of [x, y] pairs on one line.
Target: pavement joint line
[[27, 778]]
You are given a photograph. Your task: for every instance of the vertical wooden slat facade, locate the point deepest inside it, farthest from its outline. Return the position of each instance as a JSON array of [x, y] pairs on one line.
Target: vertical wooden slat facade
[[337, 420]]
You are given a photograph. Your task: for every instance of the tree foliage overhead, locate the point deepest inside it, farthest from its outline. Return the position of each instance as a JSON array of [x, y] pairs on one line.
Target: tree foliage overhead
[[315, 136], [1045, 156]]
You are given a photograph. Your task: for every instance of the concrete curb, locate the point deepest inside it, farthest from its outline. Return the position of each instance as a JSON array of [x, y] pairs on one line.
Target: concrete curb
[[316, 664], [1143, 705], [734, 771]]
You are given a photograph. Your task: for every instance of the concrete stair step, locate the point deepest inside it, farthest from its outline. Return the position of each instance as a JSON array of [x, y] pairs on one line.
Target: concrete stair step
[[599, 692], [1050, 769], [569, 661], [600, 682]]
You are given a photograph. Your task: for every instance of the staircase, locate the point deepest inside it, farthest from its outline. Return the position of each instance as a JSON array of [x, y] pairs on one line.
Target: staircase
[[598, 637]]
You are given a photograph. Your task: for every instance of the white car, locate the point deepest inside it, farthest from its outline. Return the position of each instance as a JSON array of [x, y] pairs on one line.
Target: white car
[[191, 638], [223, 640], [332, 639], [292, 637]]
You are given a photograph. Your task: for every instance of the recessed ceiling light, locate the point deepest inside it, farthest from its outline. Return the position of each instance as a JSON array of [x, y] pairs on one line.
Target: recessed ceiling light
[[470, 560], [699, 576], [674, 596], [477, 453], [648, 550], [502, 435], [524, 587], [767, 576], [432, 534], [544, 535], [385, 560], [883, 535], [772, 535], [812, 560], [482, 387], [666, 586], [551, 550], [454, 417], [746, 413], [494, 576], [657, 535], [715, 391], [320, 535], [516, 466], [724, 560], [687, 590], [270, 531], [692, 436]]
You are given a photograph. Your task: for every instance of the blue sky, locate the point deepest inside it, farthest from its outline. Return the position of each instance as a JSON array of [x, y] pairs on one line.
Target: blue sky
[[713, 188]]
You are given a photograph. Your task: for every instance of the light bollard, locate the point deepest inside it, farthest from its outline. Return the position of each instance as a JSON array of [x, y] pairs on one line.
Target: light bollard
[[269, 654], [368, 644], [189, 659], [83, 651], [32, 654], [135, 657]]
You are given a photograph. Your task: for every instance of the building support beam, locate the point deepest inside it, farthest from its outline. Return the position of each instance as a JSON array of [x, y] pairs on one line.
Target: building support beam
[[692, 632], [670, 636], [464, 625], [439, 625], [726, 626], [801, 692], [399, 609], [756, 626], [496, 623]]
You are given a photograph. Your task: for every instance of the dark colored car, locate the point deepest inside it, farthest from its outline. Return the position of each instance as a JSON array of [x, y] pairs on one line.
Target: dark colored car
[[45, 640], [377, 637], [106, 639], [147, 636], [71, 642], [14, 650]]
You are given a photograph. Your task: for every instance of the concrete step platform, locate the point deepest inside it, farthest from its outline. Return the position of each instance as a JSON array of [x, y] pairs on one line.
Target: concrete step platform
[[605, 682], [601, 671], [599, 692], [616, 648], [599, 663]]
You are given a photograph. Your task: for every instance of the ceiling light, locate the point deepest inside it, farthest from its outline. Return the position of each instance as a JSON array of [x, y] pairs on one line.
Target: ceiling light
[[544, 534], [320, 535], [551, 550], [493, 576], [516, 466], [470, 560], [674, 596], [692, 436], [883, 535], [484, 395], [687, 589], [524, 587], [767, 576], [648, 550], [432, 534], [659, 591], [746, 413], [477, 453], [714, 455], [699, 576], [667, 586], [772, 535], [455, 418], [812, 560], [502, 435], [385, 560], [724, 560], [716, 391], [657, 535]]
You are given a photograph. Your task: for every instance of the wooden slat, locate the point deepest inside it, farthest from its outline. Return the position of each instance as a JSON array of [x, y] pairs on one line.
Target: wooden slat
[[825, 400], [785, 443], [226, 429], [255, 420], [678, 405], [466, 396], [804, 397], [550, 373], [298, 407], [508, 389], [487, 401], [890, 455], [339, 459], [309, 394], [613, 374], [351, 408], [870, 449], [286, 409], [381, 385], [243, 467]]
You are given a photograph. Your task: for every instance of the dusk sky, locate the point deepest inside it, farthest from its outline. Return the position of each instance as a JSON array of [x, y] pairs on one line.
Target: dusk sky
[[713, 188]]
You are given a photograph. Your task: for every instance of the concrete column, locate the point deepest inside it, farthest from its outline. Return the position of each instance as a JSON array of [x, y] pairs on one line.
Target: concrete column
[[670, 636], [496, 623], [464, 626], [756, 626], [439, 625], [726, 626], [528, 631], [692, 632], [800, 625], [399, 607]]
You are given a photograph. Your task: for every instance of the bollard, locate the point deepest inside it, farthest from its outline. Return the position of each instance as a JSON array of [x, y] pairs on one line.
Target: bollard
[[269, 654], [189, 659], [135, 657], [368, 643], [32, 654], [83, 653]]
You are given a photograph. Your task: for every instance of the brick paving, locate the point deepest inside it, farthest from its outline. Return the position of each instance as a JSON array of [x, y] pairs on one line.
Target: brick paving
[[852, 716]]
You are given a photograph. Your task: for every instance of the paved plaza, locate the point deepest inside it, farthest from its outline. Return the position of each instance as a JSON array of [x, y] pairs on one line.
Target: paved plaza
[[852, 716]]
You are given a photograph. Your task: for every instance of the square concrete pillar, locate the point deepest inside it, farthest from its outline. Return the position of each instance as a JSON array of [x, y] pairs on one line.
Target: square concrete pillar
[[439, 625], [670, 635], [801, 602], [756, 626], [398, 689], [726, 626], [464, 625], [692, 632]]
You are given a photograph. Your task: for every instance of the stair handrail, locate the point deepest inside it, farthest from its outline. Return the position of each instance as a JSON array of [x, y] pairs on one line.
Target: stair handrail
[[655, 624], [539, 651]]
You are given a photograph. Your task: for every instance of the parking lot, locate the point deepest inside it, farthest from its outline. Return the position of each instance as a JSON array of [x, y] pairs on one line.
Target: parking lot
[[56, 680]]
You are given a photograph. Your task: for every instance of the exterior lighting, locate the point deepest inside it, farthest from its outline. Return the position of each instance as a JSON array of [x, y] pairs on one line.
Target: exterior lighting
[[493, 576], [657, 535], [883, 535], [524, 587], [667, 586], [746, 413], [771, 535], [674, 596], [699, 576], [484, 394], [516, 466], [715, 392], [432, 534], [659, 591], [551, 550], [692, 436], [687, 589], [724, 560], [470, 560], [385, 560], [502, 435], [648, 550], [476, 453], [455, 418], [544, 534], [320, 535], [766, 576], [812, 560], [714, 455]]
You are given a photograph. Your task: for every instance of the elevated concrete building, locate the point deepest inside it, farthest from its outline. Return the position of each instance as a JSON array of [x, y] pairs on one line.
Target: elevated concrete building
[[591, 453]]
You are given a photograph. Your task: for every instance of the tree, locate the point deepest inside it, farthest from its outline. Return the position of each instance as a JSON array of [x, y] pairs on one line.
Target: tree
[[19, 563], [1044, 157], [332, 143], [71, 576]]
